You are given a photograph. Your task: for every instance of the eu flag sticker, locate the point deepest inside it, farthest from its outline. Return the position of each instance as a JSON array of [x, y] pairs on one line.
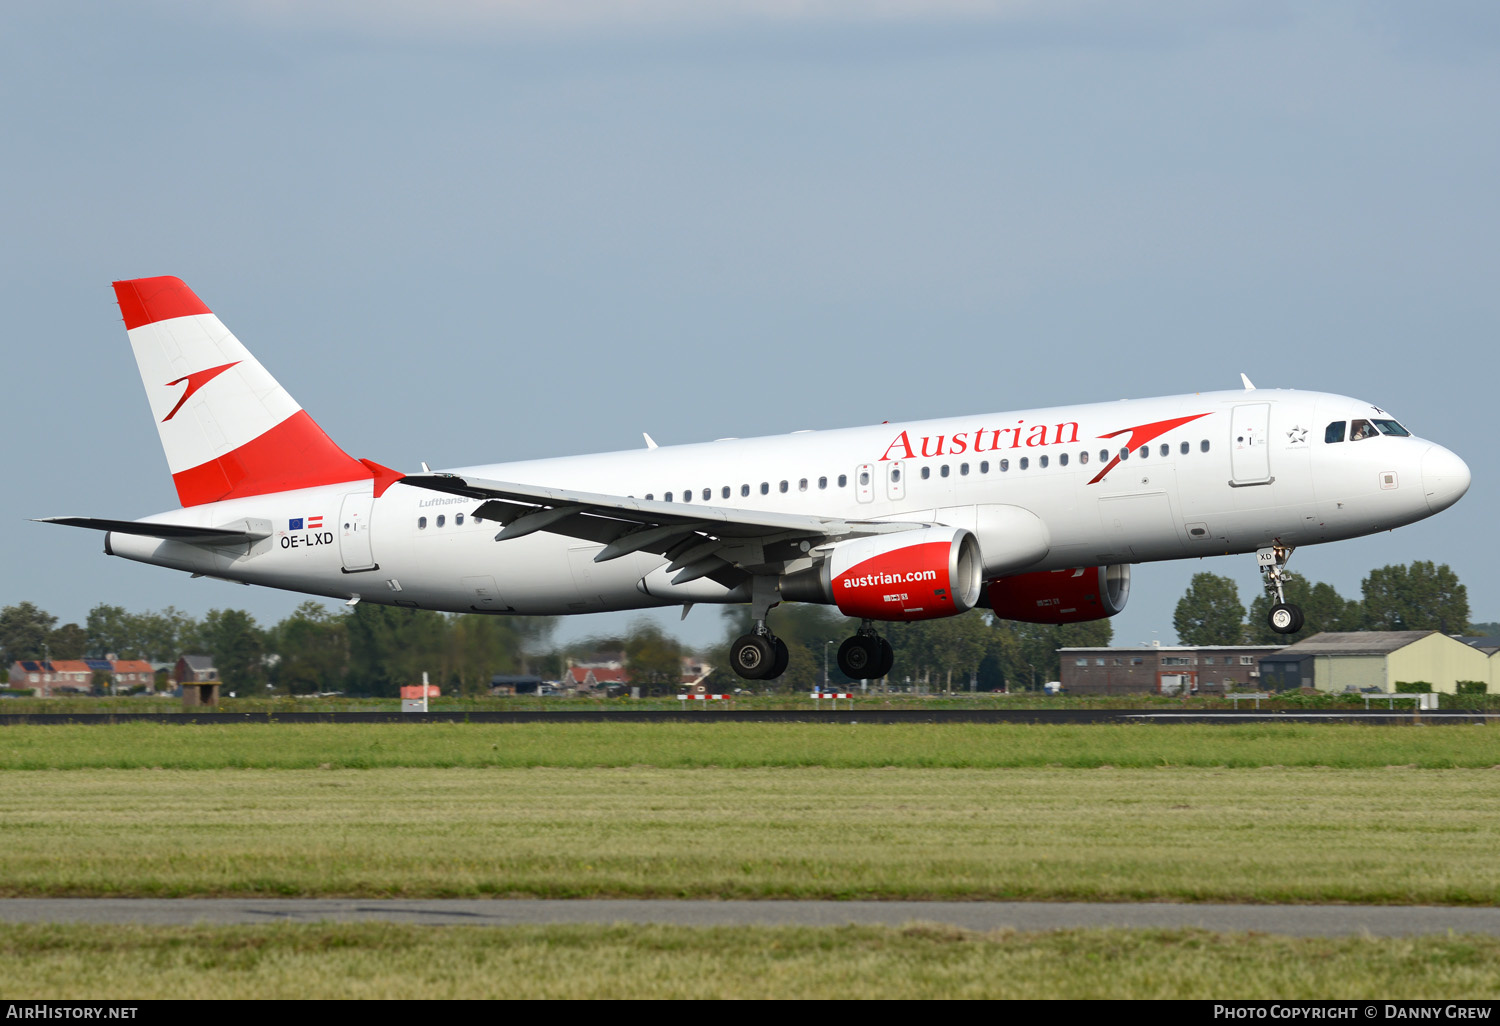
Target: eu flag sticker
[[294, 524]]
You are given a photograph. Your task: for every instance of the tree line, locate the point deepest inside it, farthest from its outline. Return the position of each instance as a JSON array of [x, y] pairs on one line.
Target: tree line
[[374, 649], [1417, 597], [370, 649]]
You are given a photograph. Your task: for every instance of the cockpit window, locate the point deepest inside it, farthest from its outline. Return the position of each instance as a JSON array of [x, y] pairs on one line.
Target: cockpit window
[[1390, 427], [1334, 432], [1360, 429]]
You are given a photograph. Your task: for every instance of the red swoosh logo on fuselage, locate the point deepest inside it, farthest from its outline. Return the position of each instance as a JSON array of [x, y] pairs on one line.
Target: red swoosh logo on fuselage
[[195, 381], [1141, 435]]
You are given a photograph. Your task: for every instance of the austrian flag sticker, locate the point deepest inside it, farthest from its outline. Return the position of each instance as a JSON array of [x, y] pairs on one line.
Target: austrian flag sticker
[[304, 523]]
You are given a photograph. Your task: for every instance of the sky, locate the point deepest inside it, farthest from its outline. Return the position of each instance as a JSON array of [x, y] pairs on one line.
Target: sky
[[465, 232]]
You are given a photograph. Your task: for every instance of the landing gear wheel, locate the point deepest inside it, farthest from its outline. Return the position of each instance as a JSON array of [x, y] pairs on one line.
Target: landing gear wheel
[[753, 656], [887, 660], [779, 659], [859, 656], [1286, 618]]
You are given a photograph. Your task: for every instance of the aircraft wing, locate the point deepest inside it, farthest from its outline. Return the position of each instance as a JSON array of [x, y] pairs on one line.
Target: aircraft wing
[[702, 540], [240, 533]]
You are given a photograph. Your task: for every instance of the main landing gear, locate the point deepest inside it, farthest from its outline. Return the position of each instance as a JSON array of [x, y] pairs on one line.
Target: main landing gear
[[759, 655], [1285, 618], [866, 655]]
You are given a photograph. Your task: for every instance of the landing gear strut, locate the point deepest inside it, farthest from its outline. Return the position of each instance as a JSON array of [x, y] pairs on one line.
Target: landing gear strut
[[866, 655], [760, 655], [1285, 618]]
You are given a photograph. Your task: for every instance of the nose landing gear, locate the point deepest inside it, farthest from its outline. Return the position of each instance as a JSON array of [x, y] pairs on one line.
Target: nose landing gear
[[1284, 618]]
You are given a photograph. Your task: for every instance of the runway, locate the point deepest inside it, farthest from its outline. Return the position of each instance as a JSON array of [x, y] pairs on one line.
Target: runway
[[862, 714], [1291, 920]]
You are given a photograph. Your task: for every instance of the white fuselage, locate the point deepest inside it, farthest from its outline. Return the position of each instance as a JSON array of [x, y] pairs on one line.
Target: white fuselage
[[1248, 469]]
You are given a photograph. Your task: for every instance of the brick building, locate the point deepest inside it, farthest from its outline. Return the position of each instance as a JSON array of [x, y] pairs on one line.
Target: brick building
[[1161, 669], [49, 677]]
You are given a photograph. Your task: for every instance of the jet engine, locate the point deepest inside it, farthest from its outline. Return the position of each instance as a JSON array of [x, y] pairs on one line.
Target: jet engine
[[911, 575], [1061, 596]]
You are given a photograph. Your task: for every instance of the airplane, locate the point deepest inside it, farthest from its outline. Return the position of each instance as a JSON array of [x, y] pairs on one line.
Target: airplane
[[1037, 515]]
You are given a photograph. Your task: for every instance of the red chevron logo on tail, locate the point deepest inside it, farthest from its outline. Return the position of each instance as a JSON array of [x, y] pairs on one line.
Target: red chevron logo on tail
[[195, 381]]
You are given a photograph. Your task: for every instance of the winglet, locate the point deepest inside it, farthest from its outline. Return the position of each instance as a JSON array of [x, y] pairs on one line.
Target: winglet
[[1248, 386], [650, 442]]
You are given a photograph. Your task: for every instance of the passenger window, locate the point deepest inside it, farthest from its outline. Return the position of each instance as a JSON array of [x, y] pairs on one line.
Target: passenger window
[[421, 523], [765, 488], [1186, 448], [963, 470], [667, 497], [782, 486], [1145, 451], [1124, 454], [843, 480], [1062, 460], [441, 520], [1203, 445], [1390, 427], [822, 483], [744, 489], [725, 492], [1166, 450], [943, 470], [864, 478], [1025, 462], [458, 520], [1042, 462], [687, 495], [649, 497], [1083, 457], [1103, 455], [1334, 432], [984, 466], [926, 473], [1360, 430], [1004, 466], [802, 485]]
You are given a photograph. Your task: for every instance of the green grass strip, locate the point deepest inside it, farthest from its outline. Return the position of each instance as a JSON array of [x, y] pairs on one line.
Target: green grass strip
[[1170, 834], [741, 745], [382, 961]]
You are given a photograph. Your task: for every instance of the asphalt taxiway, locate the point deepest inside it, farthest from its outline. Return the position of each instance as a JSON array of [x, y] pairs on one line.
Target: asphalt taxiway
[[1292, 920]]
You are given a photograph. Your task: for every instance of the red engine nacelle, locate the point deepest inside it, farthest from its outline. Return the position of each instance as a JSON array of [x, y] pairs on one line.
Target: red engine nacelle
[[911, 575], [1062, 596]]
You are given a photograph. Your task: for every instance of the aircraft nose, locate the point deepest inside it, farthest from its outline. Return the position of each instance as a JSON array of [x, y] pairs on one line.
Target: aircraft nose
[[1445, 478]]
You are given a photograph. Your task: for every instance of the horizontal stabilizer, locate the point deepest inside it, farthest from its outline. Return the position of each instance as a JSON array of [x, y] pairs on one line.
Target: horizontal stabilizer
[[174, 532]]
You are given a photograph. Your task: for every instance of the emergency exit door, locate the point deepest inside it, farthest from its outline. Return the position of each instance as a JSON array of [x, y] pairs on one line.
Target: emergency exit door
[[1249, 444], [354, 532]]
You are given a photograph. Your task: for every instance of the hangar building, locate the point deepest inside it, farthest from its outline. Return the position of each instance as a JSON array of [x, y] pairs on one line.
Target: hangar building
[[1337, 661]]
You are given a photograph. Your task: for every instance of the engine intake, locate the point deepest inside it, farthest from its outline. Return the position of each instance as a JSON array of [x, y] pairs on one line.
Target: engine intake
[[911, 575], [1062, 596]]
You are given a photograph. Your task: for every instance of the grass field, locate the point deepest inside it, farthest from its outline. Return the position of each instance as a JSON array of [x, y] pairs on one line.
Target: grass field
[[389, 961], [1275, 834], [1262, 813], [741, 745]]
